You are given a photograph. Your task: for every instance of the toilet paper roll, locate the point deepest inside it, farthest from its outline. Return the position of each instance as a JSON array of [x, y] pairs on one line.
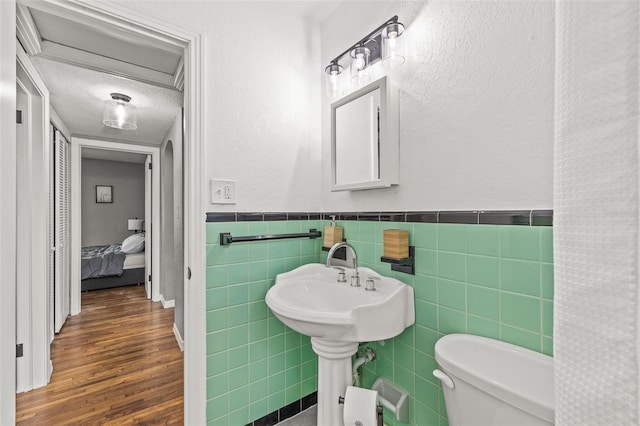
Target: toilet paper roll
[[360, 407]]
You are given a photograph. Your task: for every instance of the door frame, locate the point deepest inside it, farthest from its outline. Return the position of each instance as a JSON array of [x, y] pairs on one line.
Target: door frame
[[8, 213], [149, 184], [76, 213], [34, 307], [122, 16]]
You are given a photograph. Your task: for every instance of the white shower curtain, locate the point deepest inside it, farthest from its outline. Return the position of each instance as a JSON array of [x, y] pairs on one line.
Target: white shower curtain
[[596, 193]]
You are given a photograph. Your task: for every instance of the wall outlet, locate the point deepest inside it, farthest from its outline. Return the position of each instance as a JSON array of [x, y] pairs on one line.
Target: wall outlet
[[223, 191]]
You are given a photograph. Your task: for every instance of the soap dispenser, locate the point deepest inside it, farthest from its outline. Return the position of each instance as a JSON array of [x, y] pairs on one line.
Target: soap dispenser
[[332, 233]]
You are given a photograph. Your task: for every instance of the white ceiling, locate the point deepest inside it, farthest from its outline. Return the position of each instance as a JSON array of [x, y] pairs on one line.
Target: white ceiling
[[82, 64], [77, 94]]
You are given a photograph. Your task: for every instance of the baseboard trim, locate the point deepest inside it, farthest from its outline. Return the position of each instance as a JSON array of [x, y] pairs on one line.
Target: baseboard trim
[[176, 332], [167, 303]]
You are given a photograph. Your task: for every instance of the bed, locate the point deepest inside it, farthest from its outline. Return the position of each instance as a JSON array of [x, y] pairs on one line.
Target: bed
[[111, 266]]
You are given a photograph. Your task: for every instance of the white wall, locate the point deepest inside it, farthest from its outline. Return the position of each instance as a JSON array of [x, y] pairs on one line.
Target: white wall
[[476, 104], [262, 100], [172, 244], [106, 223]]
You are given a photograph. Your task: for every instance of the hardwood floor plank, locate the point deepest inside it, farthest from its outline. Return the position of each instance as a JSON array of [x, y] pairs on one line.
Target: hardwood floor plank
[[116, 363]]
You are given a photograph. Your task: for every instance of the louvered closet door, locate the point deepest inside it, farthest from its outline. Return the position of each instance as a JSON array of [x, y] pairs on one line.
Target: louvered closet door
[[61, 290], [52, 230]]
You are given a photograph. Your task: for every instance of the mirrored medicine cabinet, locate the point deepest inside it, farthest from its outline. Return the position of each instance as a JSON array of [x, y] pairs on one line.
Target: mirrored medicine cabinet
[[365, 138]]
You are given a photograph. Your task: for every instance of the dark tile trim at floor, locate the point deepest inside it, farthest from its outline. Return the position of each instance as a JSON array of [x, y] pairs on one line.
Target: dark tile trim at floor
[[284, 413], [472, 217]]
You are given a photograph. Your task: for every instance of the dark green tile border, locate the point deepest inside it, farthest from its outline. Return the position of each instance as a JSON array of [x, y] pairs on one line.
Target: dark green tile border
[[286, 412], [481, 217]]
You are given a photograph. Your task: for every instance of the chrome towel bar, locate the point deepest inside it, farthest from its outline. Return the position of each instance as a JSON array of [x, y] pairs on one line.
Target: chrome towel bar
[[226, 238]]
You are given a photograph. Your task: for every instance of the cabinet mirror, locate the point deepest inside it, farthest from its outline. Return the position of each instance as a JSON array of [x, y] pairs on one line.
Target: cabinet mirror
[[364, 138]]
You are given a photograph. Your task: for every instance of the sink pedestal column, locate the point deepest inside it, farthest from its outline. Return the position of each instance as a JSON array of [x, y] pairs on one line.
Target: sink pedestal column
[[334, 375]]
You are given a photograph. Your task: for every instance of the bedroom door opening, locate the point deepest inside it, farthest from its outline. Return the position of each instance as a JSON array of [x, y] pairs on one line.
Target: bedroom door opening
[[127, 172], [115, 211]]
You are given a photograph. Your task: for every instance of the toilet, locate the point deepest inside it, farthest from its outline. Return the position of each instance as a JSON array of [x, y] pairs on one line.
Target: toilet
[[487, 382]]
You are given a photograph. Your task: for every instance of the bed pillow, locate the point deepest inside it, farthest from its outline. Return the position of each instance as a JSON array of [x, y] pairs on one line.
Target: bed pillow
[[133, 244]]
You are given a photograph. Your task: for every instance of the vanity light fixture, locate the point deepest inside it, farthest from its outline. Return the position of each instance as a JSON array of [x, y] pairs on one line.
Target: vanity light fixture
[[119, 113], [382, 44]]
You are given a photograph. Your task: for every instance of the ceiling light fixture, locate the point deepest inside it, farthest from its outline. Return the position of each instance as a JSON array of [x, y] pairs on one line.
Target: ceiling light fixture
[[382, 44], [119, 113]]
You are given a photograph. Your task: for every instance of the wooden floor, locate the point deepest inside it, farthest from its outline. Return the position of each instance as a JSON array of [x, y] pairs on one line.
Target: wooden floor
[[117, 362]]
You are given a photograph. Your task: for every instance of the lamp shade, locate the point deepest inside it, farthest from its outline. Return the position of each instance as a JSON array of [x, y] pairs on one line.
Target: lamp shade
[[333, 77], [135, 224], [393, 48], [118, 113]]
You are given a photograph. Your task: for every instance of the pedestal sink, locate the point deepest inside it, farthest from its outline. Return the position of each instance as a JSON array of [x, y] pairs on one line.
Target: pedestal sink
[[338, 317]]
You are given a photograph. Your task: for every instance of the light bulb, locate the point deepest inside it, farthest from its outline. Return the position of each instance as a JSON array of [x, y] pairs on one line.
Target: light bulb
[[121, 113], [359, 65]]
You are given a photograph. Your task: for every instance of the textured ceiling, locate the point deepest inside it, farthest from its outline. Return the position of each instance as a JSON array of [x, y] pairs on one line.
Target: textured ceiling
[[77, 95]]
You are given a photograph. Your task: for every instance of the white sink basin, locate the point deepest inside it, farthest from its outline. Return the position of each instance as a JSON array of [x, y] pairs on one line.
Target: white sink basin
[[311, 301]]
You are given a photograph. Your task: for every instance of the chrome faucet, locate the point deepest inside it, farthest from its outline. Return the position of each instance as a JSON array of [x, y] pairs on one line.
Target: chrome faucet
[[355, 278]]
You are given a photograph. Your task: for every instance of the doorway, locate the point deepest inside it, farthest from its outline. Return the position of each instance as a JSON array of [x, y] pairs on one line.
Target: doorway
[[112, 16], [152, 232]]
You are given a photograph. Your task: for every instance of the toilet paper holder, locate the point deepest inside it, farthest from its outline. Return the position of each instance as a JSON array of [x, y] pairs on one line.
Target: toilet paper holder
[[391, 397], [379, 412]]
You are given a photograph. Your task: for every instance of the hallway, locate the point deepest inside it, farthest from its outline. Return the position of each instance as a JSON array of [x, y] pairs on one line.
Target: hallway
[[116, 363]]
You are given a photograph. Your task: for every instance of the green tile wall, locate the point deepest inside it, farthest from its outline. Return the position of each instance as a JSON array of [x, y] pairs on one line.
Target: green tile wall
[[255, 364], [489, 280]]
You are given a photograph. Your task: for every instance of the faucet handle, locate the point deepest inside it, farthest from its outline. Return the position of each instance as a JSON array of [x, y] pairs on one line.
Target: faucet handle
[[370, 284], [341, 274]]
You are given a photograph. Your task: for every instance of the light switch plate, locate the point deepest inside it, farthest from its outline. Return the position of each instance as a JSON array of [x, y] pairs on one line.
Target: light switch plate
[[223, 191]]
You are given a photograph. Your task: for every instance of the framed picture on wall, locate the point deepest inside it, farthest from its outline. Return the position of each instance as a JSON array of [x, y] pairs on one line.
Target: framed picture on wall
[[104, 194]]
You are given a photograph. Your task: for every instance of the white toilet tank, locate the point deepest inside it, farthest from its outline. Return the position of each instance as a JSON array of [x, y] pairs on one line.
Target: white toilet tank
[[488, 382]]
